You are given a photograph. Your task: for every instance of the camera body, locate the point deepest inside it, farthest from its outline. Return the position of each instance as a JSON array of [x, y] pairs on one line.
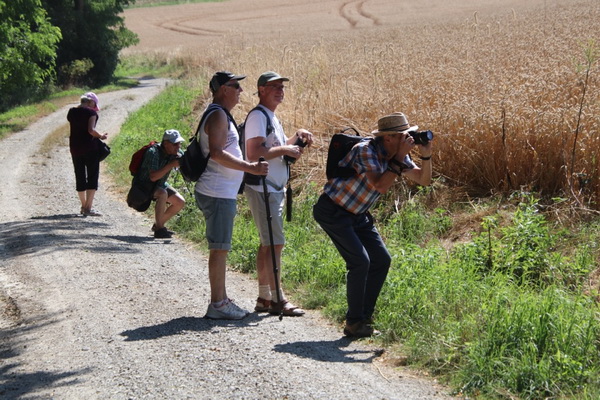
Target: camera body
[[298, 142], [421, 137]]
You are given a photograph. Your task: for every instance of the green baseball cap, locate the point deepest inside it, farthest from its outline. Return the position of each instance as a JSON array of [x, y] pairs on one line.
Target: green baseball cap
[[270, 76]]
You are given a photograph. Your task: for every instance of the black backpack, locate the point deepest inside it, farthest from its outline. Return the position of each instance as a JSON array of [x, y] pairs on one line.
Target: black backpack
[[193, 162], [251, 179], [341, 143]]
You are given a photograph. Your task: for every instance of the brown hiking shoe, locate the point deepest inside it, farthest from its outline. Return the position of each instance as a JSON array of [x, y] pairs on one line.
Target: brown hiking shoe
[[359, 329]]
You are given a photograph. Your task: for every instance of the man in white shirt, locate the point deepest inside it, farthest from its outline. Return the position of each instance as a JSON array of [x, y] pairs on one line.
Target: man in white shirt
[[273, 146]]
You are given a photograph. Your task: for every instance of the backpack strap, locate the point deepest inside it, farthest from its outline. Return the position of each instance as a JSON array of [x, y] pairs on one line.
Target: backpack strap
[[242, 128], [213, 107], [270, 128], [249, 178]]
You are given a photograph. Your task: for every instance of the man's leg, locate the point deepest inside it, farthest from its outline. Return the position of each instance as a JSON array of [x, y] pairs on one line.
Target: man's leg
[[339, 225], [162, 212], [160, 196], [264, 259], [380, 261], [219, 215], [217, 266], [264, 267]]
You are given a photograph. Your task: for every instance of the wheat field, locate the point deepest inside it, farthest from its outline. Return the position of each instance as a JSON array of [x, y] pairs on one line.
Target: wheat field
[[509, 88]]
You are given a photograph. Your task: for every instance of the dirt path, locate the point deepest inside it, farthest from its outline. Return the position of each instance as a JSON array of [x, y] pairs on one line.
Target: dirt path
[[98, 309]]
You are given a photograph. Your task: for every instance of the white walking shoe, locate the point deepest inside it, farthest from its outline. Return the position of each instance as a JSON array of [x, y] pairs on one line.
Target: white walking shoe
[[227, 311]]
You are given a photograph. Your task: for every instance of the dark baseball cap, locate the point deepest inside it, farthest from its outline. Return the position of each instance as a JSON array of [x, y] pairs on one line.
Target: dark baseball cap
[[222, 77]]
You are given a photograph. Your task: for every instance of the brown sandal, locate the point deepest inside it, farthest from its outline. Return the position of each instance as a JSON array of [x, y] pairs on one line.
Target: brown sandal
[[285, 308], [262, 305]]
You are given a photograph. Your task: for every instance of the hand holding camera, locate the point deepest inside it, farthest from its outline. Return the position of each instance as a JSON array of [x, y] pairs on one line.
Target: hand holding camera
[[300, 143]]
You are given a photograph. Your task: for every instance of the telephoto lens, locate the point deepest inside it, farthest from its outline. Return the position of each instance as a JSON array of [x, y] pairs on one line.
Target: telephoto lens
[[422, 137]]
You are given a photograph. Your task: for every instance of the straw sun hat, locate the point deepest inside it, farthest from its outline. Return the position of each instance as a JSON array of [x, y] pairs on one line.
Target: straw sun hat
[[392, 124]]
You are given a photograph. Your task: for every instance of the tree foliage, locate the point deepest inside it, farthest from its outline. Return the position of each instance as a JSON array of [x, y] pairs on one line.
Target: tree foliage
[[69, 42], [93, 34], [28, 45]]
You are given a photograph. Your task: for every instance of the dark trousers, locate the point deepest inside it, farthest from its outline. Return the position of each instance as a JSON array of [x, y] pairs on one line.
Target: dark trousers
[[360, 245], [87, 171]]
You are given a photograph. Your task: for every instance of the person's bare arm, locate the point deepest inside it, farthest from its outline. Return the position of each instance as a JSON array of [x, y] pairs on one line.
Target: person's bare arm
[[217, 127], [92, 128]]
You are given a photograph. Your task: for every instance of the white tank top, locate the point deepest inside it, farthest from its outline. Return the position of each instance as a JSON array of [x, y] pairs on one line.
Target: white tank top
[[217, 180]]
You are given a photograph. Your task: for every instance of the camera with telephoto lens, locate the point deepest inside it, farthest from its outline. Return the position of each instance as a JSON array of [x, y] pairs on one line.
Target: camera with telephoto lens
[[421, 137], [299, 142]]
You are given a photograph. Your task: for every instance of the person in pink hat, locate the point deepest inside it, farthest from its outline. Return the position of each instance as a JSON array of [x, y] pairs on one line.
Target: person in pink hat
[[84, 150]]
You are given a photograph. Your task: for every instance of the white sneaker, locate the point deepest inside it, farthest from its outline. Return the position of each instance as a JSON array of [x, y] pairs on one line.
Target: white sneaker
[[227, 311]]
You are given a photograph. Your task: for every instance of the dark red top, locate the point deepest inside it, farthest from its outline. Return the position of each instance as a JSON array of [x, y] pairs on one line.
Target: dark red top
[[80, 141]]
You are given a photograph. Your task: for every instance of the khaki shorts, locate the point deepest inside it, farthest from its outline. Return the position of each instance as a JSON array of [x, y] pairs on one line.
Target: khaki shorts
[[256, 202]]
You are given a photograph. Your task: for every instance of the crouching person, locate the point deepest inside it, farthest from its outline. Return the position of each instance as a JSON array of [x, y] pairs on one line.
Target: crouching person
[[343, 212], [152, 177]]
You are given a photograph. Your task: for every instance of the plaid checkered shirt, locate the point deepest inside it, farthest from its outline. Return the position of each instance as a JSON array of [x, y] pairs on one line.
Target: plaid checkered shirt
[[356, 194], [154, 159]]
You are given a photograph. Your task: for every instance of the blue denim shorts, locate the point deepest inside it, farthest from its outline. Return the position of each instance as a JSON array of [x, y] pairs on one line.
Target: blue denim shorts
[[219, 214]]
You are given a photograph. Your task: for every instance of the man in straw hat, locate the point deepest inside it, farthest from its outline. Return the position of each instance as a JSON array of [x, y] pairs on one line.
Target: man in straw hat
[[343, 212]]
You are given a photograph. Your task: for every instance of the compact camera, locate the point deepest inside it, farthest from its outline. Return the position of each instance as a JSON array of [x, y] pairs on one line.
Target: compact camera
[[422, 137], [299, 142]]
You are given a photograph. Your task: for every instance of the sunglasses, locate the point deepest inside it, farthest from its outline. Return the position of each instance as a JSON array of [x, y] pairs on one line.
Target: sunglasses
[[235, 85]]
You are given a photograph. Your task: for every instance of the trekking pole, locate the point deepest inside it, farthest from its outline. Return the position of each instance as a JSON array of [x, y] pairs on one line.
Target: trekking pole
[[274, 258], [288, 197]]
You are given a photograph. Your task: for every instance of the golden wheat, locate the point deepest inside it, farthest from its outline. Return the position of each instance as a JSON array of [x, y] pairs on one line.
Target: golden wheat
[[503, 101]]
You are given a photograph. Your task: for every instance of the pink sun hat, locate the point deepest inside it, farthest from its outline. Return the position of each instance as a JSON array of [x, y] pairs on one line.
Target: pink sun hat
[[92, 96]]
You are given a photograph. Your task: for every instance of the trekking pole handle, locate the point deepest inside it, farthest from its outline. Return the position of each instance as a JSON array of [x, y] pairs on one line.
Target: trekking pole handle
[[264, 180]]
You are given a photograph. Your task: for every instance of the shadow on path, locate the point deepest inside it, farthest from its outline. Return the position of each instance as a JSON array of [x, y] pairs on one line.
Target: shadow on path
[[329, 351], [16, 384], [186, 324], [63, 232]]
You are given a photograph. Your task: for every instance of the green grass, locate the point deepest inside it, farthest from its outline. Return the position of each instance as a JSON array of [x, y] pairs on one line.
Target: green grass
[[170, 110]]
